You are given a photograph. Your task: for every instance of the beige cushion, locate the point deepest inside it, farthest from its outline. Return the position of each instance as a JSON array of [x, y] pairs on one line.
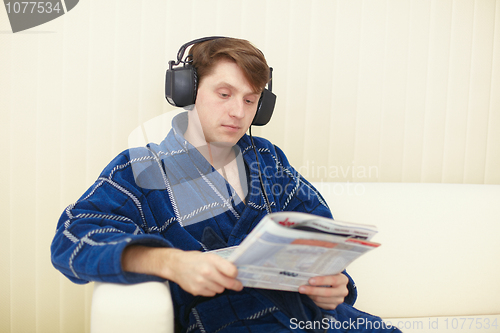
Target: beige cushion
[[440, 248]]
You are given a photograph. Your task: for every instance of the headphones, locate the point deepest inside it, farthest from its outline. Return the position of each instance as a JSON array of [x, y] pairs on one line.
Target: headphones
[[181, 85]]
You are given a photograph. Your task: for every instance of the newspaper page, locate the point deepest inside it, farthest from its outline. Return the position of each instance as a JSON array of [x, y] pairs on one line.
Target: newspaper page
[[288, 248]]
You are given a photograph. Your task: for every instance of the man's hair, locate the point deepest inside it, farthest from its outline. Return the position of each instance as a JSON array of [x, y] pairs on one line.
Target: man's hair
[[249, 58]]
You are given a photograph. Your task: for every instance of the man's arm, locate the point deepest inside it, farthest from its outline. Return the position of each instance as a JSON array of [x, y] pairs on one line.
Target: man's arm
[[198, 273]]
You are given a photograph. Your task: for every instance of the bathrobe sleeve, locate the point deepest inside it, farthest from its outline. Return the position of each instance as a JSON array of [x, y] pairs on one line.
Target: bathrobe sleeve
[[113, 213]]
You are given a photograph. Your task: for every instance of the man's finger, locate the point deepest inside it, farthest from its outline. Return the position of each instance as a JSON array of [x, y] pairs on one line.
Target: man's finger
[[228, 282], [324, 291], [224, 266], [329, 280]]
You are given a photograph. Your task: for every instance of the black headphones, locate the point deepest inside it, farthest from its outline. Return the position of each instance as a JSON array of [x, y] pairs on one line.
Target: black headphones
[[181, 85]]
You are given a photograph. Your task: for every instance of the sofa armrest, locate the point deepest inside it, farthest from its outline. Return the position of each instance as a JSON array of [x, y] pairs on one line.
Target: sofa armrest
[[143, 307]]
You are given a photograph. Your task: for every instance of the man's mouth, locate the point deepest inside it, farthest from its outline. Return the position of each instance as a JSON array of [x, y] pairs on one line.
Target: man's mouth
[[234, 127]]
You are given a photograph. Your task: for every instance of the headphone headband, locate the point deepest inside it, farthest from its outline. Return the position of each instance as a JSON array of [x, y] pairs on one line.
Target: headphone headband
[[183, 48]]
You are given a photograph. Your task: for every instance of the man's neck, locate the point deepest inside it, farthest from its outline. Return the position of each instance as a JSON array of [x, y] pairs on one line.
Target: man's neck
[[219, 155], [222, 157]]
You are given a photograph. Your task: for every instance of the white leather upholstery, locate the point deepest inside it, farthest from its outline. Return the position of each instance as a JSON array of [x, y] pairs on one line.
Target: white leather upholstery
[[145, 307]]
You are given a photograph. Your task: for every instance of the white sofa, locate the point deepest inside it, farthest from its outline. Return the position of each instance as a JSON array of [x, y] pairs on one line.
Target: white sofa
[[438, 268]]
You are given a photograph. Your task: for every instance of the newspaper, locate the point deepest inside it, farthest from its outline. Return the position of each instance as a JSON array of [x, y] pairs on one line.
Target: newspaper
[[286, 249]]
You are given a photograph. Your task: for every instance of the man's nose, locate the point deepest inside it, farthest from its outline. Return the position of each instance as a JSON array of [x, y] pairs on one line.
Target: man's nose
[[237, 108]]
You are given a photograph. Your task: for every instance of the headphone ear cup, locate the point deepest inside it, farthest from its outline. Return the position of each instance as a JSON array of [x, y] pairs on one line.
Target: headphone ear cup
[[181, 85], [265, 108]]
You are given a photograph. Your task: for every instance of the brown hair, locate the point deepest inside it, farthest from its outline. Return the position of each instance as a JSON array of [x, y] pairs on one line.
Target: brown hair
[[250, 59]]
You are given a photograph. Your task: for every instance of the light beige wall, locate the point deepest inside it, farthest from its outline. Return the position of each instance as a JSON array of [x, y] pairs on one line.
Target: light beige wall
[[407, 89], [397, 90]]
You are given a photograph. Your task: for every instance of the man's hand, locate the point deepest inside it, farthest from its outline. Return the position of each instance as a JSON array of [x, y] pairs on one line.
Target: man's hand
[[198, 273], [327, 291], [204, 274]]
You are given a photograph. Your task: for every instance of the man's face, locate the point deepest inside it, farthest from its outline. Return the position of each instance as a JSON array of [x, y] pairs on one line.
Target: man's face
[[226, 104]]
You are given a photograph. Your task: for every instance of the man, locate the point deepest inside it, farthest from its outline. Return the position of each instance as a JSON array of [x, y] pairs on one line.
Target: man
[[155, 211]]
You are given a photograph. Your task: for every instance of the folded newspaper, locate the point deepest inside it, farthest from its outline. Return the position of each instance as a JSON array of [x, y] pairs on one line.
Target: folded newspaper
[[286, 249]]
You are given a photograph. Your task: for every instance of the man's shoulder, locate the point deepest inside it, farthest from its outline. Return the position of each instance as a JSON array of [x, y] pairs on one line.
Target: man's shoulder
[[128, 159]]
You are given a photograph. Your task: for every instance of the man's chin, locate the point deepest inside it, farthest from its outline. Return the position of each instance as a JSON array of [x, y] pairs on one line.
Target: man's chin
[[223, 144]]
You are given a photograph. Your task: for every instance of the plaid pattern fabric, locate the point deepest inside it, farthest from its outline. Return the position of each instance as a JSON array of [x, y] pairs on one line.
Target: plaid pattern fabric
[[169, 195]]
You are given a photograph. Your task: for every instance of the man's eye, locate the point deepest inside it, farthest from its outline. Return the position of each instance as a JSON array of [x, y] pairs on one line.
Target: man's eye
[[223, 95], [248, 101]]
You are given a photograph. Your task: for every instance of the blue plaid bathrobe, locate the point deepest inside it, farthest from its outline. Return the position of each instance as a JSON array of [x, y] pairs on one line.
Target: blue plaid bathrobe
[[168, 195]]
